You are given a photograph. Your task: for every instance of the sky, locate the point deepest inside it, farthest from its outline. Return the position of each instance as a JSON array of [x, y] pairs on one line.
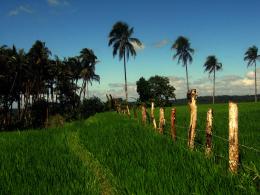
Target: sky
[[224, 28]]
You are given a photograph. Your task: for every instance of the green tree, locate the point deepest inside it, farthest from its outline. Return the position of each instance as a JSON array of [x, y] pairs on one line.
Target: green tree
[[121, 38], [251, 55], [143, 89], [157, 88], [184, 53], [161, 89], [211, 66]]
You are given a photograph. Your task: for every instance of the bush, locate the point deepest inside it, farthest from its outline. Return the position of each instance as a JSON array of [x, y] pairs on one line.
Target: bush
[[56, 121], [91, 106]]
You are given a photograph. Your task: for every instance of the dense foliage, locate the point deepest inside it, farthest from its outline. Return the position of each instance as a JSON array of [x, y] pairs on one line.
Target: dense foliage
[[34, 85], [157, 88]]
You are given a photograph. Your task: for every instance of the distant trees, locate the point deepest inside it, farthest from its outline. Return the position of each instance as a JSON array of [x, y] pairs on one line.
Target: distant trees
[[120, 37], [211, 66], [35, 83], [157, 88], [183, 53], [251, 55]]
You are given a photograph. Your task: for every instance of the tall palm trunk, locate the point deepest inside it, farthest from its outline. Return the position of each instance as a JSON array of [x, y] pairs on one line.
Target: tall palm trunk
[[76, 86], [52, 93], [19, 105], [126, 93], [82, 90], [87, 90], [255, 84], [187, 77], [213, 97]]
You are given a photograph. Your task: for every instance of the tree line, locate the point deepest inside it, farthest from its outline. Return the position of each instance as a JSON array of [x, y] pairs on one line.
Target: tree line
[[36, 79]]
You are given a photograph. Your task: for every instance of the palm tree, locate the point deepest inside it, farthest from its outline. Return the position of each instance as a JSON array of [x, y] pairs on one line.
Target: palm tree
[[212, 65], [184, 53], [88, 63], [251, 56], [39, 60], [120, 37]]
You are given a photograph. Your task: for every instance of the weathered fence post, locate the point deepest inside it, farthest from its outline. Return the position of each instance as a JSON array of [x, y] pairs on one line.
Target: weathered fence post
[[173, 128], [127, 110], [192, 98], [209, 133], [143, 114], [161, 121], [152, 115], [233, 137]]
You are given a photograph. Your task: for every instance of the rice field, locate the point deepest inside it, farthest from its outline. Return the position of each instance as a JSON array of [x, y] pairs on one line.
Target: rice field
[[112, 154]]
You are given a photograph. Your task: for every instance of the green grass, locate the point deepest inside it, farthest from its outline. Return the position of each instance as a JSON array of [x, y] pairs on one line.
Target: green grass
[[41, 162], [110, 153]]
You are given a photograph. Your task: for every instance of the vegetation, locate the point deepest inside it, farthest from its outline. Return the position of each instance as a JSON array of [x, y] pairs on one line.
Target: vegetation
[[212, 65], [41, 86], [42, 162], [112, 153], [251, 56], [123, 44], [184, 53], [157, 88]]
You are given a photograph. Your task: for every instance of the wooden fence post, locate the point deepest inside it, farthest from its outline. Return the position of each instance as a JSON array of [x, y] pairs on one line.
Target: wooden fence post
[[152, 115], [209, 133], [143, 114], [192, 98], [173, 128], [161, 121], [127, 110], [233, 137]]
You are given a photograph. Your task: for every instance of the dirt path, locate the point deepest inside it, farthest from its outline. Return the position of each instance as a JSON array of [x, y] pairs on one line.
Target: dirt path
[[103, 176]]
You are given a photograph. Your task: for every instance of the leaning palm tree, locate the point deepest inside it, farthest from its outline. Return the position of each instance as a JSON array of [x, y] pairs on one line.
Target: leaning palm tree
[[212, 65], [184, 53], [123, 44], [251, 56]]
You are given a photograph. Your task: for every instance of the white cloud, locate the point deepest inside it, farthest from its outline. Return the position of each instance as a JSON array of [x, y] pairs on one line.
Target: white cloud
[[225, 85], [117, 91], [20, 9], [118, 85], [137, 47], [55, 3], [161, 43]]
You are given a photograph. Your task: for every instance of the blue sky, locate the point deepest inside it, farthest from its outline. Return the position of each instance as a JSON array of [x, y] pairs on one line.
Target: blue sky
[[225, 28]]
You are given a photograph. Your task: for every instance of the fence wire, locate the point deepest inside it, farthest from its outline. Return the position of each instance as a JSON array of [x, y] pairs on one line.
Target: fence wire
[[224, 139]]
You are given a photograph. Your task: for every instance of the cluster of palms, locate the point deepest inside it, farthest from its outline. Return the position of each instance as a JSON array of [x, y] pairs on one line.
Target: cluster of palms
[[123, 45], [26, 78]]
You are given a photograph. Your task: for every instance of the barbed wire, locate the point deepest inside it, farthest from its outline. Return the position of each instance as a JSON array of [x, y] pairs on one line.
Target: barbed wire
[[219, 156], [226, 140]]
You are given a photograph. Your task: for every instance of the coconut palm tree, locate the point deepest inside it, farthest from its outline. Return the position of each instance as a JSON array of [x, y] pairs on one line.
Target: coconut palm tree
[[88, 63], [184, 53], [251, 56], [212, 65], [120, 37], [39, 59]]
